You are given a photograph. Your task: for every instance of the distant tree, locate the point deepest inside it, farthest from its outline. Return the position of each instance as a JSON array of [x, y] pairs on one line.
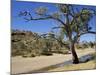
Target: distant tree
[[91, 44], [73, 21]]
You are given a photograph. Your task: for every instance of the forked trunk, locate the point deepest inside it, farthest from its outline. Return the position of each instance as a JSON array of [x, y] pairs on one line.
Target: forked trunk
[[74, 54]]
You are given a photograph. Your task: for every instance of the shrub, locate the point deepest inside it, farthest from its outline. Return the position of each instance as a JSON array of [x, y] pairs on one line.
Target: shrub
[[46, 52], [28, 55], [82, 46], [24, 56], [32, 55]]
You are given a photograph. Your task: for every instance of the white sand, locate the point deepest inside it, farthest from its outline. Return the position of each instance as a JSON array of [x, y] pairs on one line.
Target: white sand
[[24, 65]]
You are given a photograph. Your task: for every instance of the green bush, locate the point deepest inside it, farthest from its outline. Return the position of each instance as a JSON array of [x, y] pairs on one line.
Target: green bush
[[82, 46], [79, 47], [28, 55], [32, 55], [24, 56], [46, 52]]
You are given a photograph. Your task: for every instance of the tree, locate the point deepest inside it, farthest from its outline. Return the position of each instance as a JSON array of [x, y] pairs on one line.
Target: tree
[[91, 44], [73, 21]]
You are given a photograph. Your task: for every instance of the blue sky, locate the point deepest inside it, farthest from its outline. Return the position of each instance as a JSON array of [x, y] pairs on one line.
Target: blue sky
[[42, 26]]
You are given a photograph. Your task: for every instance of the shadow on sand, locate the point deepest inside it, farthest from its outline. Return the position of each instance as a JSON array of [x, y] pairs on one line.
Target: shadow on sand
[[82, 59]]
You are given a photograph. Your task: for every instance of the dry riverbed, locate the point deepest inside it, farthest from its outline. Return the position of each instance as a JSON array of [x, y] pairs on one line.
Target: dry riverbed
[[26, 65]]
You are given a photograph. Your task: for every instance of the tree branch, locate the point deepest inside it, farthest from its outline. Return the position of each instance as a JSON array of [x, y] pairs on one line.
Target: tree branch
[[80, 34], [44, 17], [60, 42], [41, 18], [55, 39], [57, 27], [59, 20], [88, 32]]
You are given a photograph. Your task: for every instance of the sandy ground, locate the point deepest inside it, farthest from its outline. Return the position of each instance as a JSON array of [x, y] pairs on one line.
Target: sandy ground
[[24, 65]]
